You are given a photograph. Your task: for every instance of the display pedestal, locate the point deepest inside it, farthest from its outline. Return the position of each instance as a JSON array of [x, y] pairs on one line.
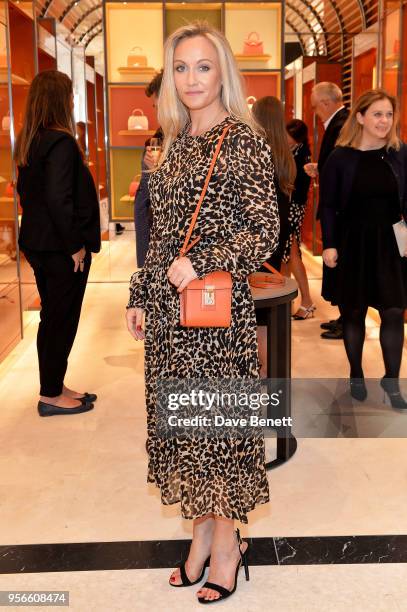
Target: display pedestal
[[277, 303]]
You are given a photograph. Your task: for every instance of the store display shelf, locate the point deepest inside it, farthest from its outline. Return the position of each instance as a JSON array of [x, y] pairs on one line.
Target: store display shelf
[[125, 148], [253, 58], [15, 79], [128, 83], [4, 132], [142, 74], [137, 132], [127, 198], [261, 71], [5, 199]]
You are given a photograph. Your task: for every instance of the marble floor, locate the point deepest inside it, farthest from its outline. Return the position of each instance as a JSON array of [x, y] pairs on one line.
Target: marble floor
[[82, 479]]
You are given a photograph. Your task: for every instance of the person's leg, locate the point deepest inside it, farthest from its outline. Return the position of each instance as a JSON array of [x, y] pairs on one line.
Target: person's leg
[[300, 274], [65, 290], [262, 348], [203, 529], [392, 340], [224, 557], [353, 320]]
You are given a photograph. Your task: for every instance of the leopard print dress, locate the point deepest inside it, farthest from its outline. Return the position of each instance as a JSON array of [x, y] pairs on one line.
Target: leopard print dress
[[239, 227]]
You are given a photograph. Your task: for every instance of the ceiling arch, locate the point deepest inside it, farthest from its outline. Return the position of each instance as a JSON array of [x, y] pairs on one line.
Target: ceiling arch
[[313, 21]]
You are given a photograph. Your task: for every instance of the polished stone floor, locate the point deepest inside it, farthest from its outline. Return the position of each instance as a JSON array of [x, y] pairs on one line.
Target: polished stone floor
[[82, 479]]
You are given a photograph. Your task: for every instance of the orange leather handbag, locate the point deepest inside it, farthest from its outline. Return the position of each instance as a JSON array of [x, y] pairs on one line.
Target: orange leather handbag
[[206, 302], [265, 280]]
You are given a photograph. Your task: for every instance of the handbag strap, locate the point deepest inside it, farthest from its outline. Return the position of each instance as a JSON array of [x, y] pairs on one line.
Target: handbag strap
[[186, 247], [271, 269]]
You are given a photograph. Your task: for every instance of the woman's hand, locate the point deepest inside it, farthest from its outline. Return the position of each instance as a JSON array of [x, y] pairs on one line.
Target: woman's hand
[[78, 259], [311, 169], [134, 319], [181, 273], [330, 257]]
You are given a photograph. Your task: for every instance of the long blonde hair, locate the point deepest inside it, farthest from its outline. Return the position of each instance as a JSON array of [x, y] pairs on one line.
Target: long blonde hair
[[173, 116], [351, 133]]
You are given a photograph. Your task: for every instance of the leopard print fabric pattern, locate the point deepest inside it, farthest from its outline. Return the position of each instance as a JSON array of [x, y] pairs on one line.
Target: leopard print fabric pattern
[[239, 227]]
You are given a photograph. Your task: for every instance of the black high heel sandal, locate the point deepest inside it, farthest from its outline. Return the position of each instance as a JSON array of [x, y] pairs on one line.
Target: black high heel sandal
[[224, 593], [391, 388], [185, 580]]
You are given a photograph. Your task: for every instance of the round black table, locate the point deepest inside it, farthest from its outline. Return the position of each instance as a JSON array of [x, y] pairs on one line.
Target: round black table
[[277, 304]]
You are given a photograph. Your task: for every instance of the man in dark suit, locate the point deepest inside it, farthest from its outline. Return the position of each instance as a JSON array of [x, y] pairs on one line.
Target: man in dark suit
[[326, 100]]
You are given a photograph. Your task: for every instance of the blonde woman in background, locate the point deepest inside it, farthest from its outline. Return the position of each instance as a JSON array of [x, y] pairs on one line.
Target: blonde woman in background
[[216, 480]]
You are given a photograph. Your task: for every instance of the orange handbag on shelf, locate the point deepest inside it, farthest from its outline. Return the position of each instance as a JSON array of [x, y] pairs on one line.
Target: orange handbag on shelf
[[253, 45], [136, 60], [266, 280], [206, 302]]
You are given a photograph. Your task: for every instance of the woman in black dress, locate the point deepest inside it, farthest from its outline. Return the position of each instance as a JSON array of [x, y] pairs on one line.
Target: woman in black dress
[[297, 133], [362, 195], [59, 229], [269, 113]]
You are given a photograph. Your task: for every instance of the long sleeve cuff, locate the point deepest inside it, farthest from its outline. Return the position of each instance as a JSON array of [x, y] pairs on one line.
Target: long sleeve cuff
[[137, 297]]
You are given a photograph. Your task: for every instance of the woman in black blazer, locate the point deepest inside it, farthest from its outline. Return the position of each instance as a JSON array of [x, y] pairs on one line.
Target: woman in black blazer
[[59, 229], [363, 193]]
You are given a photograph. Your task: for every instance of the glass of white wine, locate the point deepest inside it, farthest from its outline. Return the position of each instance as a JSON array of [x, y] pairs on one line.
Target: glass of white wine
[[155, 149]]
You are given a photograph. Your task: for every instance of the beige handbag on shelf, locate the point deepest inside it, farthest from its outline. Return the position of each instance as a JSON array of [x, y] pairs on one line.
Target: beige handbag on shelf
[[5, 122], [135, 60], [250, 101], [137, 120]]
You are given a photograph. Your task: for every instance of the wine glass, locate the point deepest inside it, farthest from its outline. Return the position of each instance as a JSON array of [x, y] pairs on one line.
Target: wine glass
[[155, 149]]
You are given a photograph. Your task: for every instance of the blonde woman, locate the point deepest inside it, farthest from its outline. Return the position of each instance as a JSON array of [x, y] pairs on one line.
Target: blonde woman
[[219, 480], [363, 193]]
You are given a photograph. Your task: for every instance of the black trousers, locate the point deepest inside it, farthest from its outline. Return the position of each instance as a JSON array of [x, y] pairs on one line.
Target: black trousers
[[61, 291]]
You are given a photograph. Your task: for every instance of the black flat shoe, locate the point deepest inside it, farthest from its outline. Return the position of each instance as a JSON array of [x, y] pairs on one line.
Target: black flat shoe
[[391, 388], [329, 324], [87, 397], [333, 334], [185, 580], [224, 593], [358, 389], [45, 409]]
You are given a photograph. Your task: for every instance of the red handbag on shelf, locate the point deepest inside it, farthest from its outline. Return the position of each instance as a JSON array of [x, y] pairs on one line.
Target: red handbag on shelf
[[9, 191], [253, 45]]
